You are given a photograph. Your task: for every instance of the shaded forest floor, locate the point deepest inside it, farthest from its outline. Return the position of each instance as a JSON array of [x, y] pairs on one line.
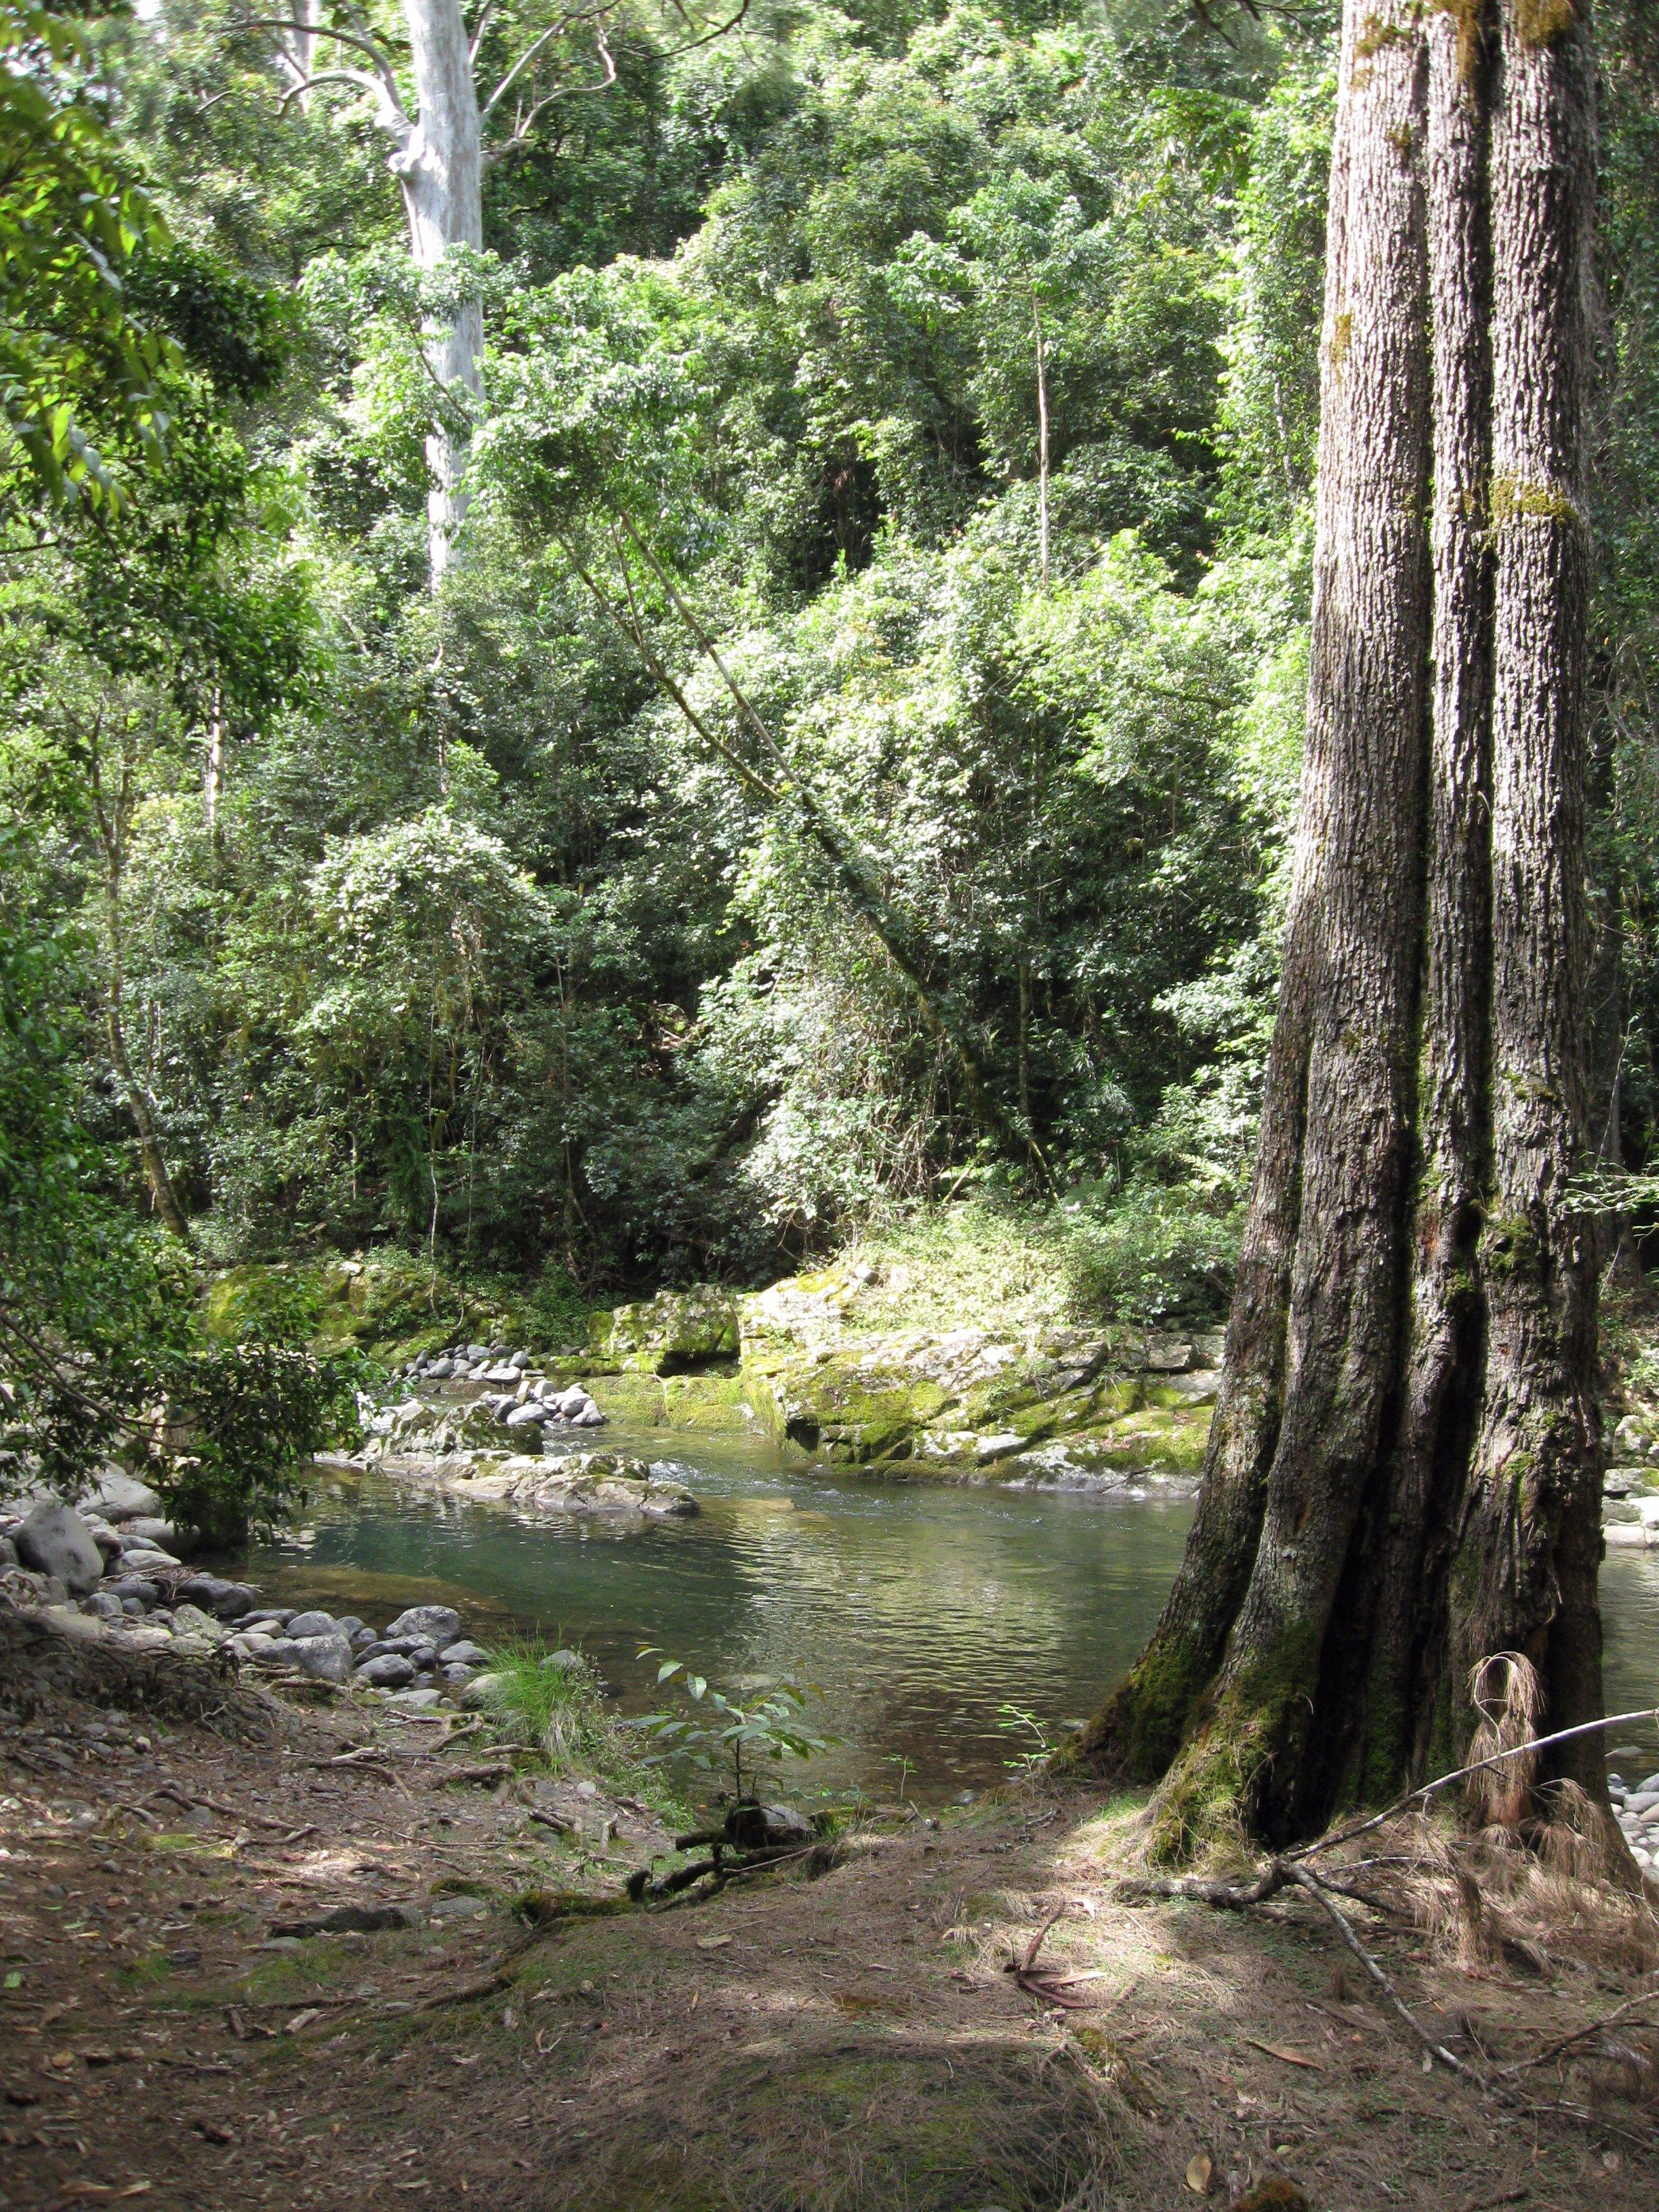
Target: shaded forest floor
[[810, 2045]]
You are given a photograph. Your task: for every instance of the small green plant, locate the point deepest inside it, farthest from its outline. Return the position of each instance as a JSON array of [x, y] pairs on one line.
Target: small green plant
[[723, 1738], [1030, 1742], [902, 1761]]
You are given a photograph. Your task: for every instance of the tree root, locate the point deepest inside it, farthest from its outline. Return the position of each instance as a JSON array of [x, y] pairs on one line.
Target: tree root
[[1288, 1872]]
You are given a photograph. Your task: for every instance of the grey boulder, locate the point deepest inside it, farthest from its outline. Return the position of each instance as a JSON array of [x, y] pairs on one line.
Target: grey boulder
[[436, 1624], [147, 1529], [56, 1540], [463, 1654], [310, 1624], [391, 1671], [124, 1497], [325, 1658], [224, 1601]]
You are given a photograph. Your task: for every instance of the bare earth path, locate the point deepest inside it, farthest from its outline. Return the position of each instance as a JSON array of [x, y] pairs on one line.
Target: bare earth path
[[816, 2045]]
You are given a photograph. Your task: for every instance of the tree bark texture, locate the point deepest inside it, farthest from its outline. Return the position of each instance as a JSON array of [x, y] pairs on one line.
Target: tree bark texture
[[440, 168], [1404, 1474]]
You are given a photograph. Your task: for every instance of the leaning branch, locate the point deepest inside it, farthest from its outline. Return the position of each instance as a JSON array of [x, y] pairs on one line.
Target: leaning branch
[[852, 869]]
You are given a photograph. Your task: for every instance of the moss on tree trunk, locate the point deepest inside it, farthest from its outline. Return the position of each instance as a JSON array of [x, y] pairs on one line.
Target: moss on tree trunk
[[1404, 1474]]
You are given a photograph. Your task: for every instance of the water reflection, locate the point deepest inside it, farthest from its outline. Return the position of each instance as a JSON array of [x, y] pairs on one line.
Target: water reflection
[[920, 1610]]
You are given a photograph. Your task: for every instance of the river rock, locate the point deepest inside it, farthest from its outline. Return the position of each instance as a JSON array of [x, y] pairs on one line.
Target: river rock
[[483, 1692], [563, 1662], [455, 1677], [199, 1627], [675, 1329], [123, 1497], [225, 1601], [105, 1604], [323, 1658], [530, 1415], [463, 1654], [305, 1625], [440, 1624], [270, 1616], [281, 1651], [8, 1552], [573, 1402], [147, 1529], [145, 1559], [754, 1828], [55, 1541], [137, 1589], [389, 1671], [415, 1701]]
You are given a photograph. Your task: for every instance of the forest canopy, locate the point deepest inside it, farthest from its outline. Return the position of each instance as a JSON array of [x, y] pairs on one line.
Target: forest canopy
[[846, 758]]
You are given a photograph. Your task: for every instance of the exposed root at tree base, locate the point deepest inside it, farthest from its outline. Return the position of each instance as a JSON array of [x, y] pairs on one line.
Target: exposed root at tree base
[[892, 2033]]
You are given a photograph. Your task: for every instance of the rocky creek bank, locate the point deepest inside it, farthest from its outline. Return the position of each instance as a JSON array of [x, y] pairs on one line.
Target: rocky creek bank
[[1105, 1408], [96, 1573]]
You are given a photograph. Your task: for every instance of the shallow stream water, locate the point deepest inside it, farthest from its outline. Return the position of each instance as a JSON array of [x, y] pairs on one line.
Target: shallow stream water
[[925, 1612]]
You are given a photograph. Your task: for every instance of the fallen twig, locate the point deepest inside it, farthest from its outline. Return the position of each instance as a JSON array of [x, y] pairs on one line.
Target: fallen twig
[[1579, 2035], [1306, 1879], [208, 1805]]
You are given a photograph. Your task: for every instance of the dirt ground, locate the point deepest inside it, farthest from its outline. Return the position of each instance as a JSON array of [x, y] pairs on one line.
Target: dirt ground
[[821, 2044]]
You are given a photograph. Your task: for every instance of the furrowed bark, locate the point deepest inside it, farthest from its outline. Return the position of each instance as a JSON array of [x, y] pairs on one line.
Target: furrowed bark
[[1360, 843], [1530, 1543], [1305, 1392], [1404, 1474], [1403, 1613]]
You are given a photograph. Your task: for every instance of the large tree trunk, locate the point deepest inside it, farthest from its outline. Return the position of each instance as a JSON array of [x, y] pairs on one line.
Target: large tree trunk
[[440, 168], [1404, 1474]]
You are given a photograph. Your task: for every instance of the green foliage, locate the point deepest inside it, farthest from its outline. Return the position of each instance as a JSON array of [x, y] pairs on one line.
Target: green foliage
[[724, 1742], [555, 1709], [560, 1711], [75, 364]]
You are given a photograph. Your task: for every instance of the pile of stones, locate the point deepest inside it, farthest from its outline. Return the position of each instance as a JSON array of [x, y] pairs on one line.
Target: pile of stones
[[1630, 1492], [1636, 1807], [82, 1564], [523, 1401], [417, 1658], [119, 1528]]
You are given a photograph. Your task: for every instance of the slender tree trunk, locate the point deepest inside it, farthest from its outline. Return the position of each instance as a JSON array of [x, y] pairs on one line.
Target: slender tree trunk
[[1404, 1471], [135, 1093], [440, 168]]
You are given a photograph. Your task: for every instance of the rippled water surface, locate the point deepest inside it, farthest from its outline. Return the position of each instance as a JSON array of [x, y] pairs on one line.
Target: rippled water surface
[[922, 1609]]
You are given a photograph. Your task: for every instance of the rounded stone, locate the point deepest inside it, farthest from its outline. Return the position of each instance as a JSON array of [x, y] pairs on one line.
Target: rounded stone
[[439, 1624], [304, 1625]]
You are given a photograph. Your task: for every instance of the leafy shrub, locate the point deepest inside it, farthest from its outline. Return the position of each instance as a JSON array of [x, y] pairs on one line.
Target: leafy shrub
[[723, 1741], [1152, 1254]]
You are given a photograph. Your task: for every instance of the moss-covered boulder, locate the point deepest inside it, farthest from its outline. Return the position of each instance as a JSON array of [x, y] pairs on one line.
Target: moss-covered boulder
[[676, 1333]]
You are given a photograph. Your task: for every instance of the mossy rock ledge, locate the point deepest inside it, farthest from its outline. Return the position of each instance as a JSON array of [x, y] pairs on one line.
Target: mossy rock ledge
[[1061, 1408]]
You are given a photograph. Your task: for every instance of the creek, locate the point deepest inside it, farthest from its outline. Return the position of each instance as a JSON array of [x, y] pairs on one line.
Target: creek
[[928, 1613]]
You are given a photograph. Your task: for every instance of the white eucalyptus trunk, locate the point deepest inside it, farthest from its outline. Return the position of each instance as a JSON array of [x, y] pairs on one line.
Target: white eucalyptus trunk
[[440, 169]]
